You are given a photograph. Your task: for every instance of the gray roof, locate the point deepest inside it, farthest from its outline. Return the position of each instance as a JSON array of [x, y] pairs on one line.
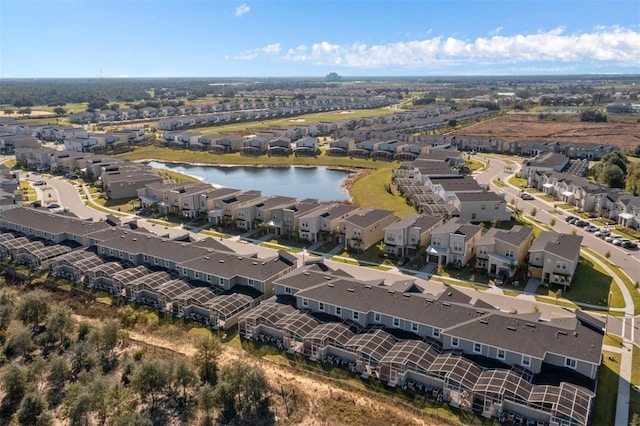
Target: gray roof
[[565, 246], [368, 217], [514, 236], [52, 223], [415, 307], [511, 331], [227, 265], [480, 196], [306, 277], [550, 160], [457, 184]]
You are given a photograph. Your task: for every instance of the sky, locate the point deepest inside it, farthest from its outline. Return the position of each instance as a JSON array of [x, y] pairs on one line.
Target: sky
[[311, 38]]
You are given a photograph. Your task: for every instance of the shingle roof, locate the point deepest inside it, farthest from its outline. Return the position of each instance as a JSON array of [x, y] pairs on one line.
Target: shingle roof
[[565, 246], [510, 331]]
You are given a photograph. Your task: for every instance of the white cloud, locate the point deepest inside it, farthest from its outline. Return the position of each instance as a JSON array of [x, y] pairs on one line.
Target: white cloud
[[269, 50], [242, 9], [495, 31], [616, 45]]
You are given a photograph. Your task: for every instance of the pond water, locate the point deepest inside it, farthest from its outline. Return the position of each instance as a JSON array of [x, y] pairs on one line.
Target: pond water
[[299, 182]]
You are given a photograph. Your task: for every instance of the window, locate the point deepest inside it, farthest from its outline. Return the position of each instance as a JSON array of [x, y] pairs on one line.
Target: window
[[356, 315], [321, 306], [473, 216], [166, 263], [145, 257], [482, 250], [496, 207], [436, 242], [251, 282], [195, 274], [131, 257], [155, 260], [287, 290], [396, 322], [457, 246], [208, 278], [102, 251], [501, 354], [509, 253], [414, 327], [570, 362], [111, 252], [305, 302], [436, 333], [221, 281], [338, 310], [377, 317], [483, 206], [454, 342], [526, 361], [477, 348]]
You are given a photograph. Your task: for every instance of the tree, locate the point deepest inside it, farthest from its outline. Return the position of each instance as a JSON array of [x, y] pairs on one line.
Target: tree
[[20, 341], [59, 111], [110, 335], [245, 384], [184, 376], [59, 323], [533, 212], [59, 372], [558, 295], [14, 382], [206, 359], [8, 111], [33, 308], [552, 222], [207, 400], [150, 378], [612, 175], [31, 407]]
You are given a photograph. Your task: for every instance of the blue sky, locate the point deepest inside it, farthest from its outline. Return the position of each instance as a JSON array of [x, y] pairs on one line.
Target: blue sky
[[280, 38]]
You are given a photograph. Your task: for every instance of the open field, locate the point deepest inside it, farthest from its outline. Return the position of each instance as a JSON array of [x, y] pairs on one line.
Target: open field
[[513, 127], [34, 113]]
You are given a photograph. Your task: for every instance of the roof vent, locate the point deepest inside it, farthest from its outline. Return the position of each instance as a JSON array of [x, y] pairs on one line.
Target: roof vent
[[306, 273], [406, 295], [327, 278], [446, 304], [367, 287], [351, 290], [391, 292], [135, 239], [511, 328], [254, 263], [531, 325], [221, 260], [330, 285], [484, 321]]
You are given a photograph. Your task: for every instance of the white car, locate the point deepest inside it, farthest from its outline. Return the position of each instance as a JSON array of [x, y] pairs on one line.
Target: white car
[[609, 238], [602, 233], [591, 228]]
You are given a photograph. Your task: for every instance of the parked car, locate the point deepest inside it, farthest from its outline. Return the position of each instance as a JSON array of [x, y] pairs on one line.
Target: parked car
[[53, 206], [581, 223], [591, 228], [526, 196], [602, 233], [39, 183], [569, 218], [609, 238], [629, 245], [620, 241]]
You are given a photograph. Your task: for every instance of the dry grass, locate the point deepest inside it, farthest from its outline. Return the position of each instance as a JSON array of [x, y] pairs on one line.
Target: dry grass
[[513, 127]]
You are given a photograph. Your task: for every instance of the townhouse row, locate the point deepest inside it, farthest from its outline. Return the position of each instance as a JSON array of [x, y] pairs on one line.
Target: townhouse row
[[329, 312], [408, 332]]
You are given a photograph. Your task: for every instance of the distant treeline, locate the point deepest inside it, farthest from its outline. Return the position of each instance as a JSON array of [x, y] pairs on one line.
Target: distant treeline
[[59, 92]]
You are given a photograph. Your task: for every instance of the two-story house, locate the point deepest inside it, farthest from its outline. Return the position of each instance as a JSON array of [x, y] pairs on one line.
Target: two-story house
[[406, 236], [500, 251], [554, 257], [365, 228], [454, 242]]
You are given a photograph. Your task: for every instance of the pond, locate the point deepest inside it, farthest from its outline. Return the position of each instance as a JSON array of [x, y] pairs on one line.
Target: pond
[[321, 183]]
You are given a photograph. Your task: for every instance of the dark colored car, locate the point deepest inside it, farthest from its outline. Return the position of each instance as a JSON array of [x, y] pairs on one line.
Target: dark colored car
[[581, 223], [630, 245], [569, 218]]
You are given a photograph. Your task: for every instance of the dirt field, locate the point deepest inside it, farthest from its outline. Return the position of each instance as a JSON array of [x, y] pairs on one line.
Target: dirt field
[[514, 127], [34, 113]]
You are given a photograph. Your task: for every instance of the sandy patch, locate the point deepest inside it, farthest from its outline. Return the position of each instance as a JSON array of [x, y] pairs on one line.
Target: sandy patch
[[346, 112], [34, 113], [297, 120]]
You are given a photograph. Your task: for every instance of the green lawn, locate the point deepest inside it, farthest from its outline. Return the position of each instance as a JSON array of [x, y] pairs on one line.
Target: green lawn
[[548, 198], [518, 182], [634, 403], [369, 191], [592, 285], [604, 407]]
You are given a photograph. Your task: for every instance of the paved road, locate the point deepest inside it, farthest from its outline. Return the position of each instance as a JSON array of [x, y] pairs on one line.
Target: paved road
[[627, 260]]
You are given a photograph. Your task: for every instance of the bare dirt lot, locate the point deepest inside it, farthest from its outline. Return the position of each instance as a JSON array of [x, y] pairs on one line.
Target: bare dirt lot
[[517, 127], [34, 113]]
